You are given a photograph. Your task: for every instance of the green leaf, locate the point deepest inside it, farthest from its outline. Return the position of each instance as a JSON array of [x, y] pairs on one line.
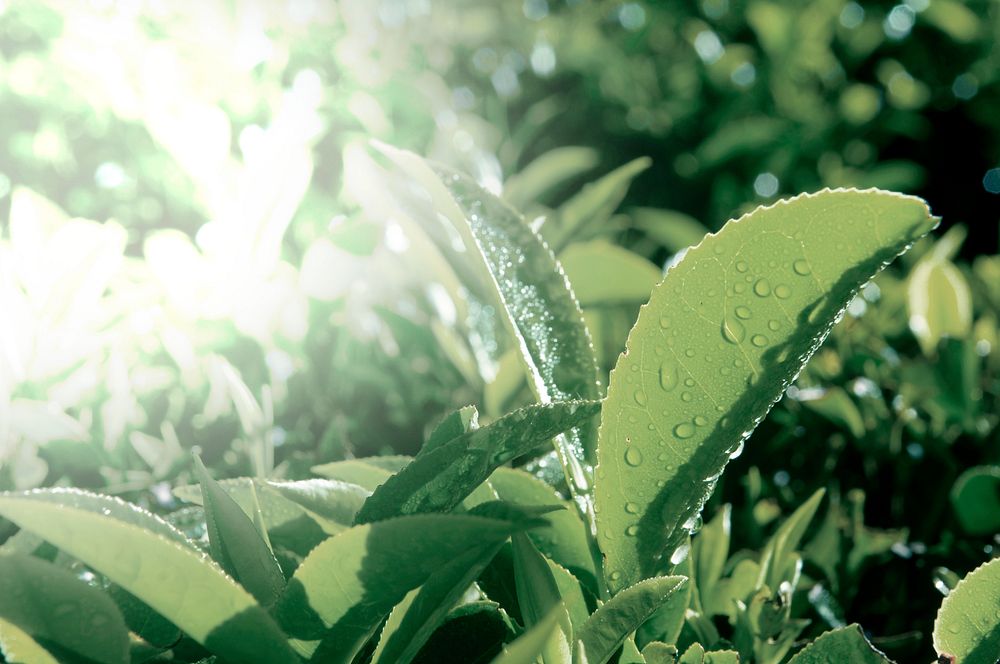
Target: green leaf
[[53, 605], [696, 654], [174, 580], [939, 302], [547, 172], [538, 594], [667, 622], [235, 543], [19, 648], [564, 539], [461, 421], [440, 479], [472, 632], [674, 230], [709, 551], [607, 628], [721, 338], [413, 621], [530, 646], [834, 404], [530, 290], [342, 590], [847, 644], [976, 499], [368, 473], [967, 626], [593, 205], [603, 274], [778, 558]]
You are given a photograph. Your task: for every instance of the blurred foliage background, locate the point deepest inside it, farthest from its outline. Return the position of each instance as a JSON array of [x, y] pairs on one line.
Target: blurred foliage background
[[243, 287]]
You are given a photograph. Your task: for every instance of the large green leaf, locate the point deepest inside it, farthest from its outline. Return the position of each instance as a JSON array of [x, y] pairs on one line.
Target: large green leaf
[[976, 500], [438, 480], [236, 543], [607, 628], [54, 606], [18, 647], [532, 292], [176, 581], [721, 338], [968, 623], [342, 590], [847, 644]]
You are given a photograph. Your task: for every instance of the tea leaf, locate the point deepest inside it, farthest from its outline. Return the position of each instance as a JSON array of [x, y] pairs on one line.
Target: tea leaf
[[847, 644], [721, 338], [967, 627]]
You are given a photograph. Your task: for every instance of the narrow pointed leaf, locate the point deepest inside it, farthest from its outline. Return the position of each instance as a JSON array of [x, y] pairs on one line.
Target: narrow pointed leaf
[[461, 421], [967, 627], [18, 647], [342, 590], [440, 479], [607, 628], [176, 581], [531, 291], [413, 621], [53, 605], [236, 544], [722, 337], [538, 594], [779, 552], [847, 644]]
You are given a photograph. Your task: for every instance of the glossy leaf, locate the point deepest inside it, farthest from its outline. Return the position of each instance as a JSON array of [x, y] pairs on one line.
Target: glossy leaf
[[53, 605], [607, 627], [236, 544], [532, 292], [939, 299], [721, 338], [176, 581], [779, 556], [967, 627], [19, 648], [548, 171], [440, 479], [461, 421], [847, 644], [342, 590]]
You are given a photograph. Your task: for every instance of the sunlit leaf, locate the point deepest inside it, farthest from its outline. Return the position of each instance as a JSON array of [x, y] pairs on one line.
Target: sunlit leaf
[[967, 627], [174, 580], [530, 645], [19, 648], [722, 337], [847, 644]]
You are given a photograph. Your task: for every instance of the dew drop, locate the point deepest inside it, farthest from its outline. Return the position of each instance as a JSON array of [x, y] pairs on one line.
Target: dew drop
[[743, 312], [632, 530], [801, 267], [737, 451], [689, 382], [762, 288], [686, 396], [616, 575], [664, 322], [773, 325], [663, 456], [782, 292], [758, 340], [689, 352], [680, 554], [733, 330], [632, 508], [741, 266], [640, 397], [684, 430], [633, 456]]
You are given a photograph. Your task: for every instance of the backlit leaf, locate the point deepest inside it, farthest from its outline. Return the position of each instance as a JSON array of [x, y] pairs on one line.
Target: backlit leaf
[[967, 627], [721, 338]]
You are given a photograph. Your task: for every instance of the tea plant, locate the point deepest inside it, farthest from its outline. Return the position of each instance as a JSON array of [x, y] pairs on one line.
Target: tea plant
[[534, 537]]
